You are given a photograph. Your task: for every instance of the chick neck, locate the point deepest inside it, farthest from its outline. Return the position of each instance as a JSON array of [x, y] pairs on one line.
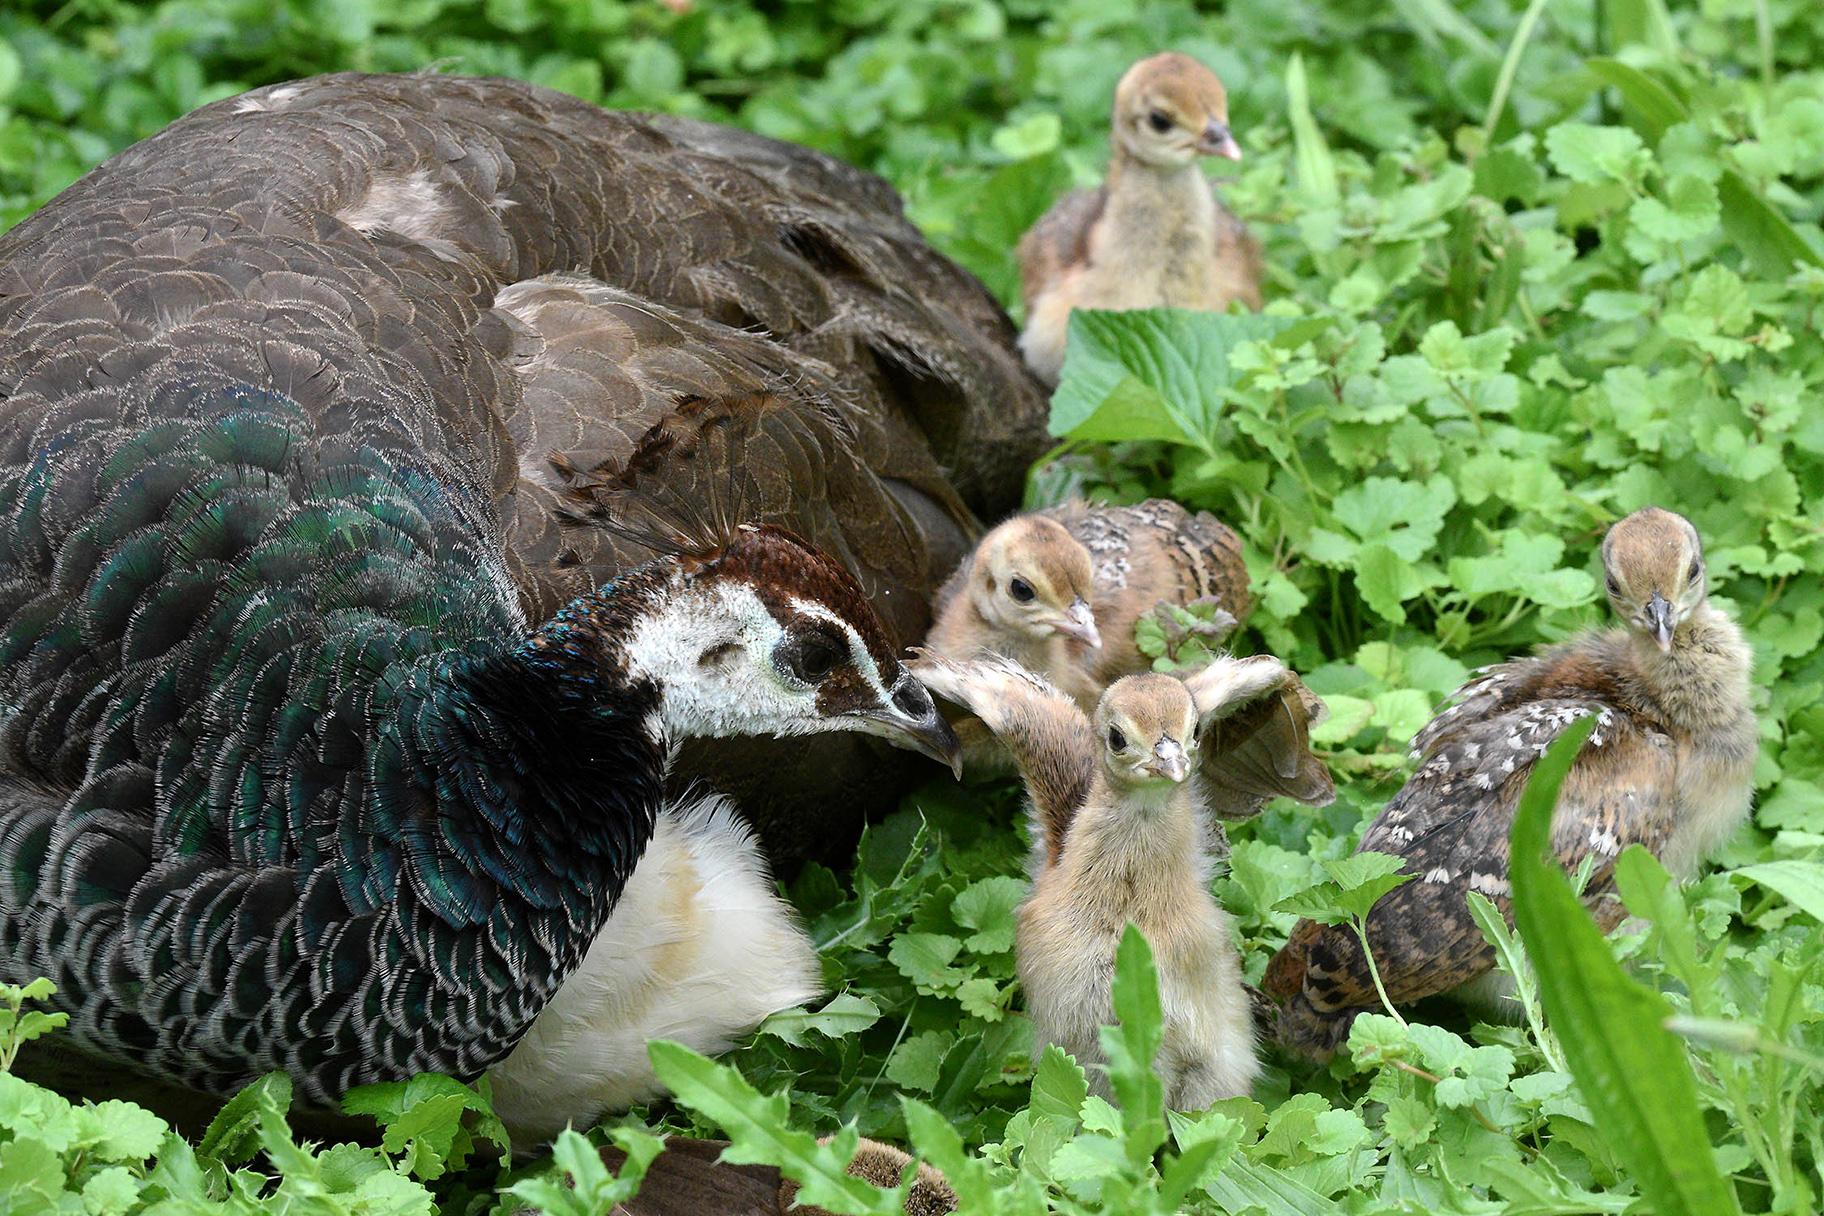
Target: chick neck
[[1138, 834], [1701, 682], [1157, 217]]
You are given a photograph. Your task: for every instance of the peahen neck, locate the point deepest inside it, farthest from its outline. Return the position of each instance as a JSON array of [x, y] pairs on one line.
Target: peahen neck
[[540, 767]]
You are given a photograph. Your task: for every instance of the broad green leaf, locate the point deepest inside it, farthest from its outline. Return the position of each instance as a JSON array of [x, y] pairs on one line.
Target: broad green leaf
[[1800, 883], [846, 1013], [1156, 373], [1633, 1072]]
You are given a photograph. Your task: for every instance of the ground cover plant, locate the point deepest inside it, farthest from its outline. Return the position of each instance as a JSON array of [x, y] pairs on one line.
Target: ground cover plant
[[1532, 265]]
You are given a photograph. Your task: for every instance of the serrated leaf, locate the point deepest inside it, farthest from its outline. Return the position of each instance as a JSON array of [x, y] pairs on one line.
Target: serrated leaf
[[846, 1013], [760, 1133], [987, 907]]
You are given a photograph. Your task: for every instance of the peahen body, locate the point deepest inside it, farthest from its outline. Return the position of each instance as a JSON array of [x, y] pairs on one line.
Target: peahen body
[[551, 285], [322, 748]]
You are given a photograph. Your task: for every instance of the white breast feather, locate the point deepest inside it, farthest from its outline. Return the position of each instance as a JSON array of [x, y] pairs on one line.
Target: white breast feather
[[699, 949]]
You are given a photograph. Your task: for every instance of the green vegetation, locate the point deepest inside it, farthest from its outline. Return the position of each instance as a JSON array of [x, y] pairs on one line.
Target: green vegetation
[[1532, 265]]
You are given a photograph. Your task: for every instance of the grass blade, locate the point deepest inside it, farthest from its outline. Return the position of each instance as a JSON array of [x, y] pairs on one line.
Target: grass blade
[[1510, 67], [1633, 1072], [1311, 156]]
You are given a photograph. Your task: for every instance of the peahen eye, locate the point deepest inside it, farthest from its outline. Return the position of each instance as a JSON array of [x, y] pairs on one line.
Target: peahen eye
[[1020, 590], [1160, 121], [1697, 568], [810, 657], [1117, 742], [1614, 586]]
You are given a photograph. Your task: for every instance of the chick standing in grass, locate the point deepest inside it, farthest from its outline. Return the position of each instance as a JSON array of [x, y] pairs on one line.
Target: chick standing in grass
[[1154, 234], [1120, 825], [1668, 766]]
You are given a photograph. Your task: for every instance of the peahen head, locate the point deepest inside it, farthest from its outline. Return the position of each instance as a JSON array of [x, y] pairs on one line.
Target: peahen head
[[760, 634]]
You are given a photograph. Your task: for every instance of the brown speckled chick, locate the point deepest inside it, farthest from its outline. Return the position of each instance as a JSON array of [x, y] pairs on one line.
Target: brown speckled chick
[[1153, 235], [1668, 766], [1121, 825], [1061, 590]]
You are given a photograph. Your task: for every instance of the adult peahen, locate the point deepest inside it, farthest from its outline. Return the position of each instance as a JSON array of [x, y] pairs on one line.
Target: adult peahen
[[560, 281], [292, 398]]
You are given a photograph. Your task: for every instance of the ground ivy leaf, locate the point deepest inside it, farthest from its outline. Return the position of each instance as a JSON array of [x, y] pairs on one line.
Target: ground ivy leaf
[[987, 907], [1593, 155], [924, 958], [846, 1013], [915, 1062]]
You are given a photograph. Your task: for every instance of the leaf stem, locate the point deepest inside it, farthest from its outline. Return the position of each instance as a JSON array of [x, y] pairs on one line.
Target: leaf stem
[[1374, 972]]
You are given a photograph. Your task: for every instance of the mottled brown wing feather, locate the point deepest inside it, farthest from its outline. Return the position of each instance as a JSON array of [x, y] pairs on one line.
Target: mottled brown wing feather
[[1050, 737], [1060, 239], [1621, 791], [1147, 554]]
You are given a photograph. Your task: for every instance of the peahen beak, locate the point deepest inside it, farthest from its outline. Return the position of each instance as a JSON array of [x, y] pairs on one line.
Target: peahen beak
[[910, 720], [1661, 620]]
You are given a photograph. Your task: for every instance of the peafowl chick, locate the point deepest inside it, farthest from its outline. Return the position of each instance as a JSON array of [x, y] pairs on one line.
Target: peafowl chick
[[1668, 766], [1026, 592], [1118, 563], [1119, 826], [1154, 235]]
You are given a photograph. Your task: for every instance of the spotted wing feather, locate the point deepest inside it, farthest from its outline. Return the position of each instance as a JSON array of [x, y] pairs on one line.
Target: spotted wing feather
[[1450, 825]]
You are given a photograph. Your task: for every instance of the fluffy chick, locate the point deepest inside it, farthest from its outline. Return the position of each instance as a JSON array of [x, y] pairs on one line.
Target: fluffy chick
[[1088, 573], [1154, 234], [1668, 766], [1120, 823], [1025, 593]]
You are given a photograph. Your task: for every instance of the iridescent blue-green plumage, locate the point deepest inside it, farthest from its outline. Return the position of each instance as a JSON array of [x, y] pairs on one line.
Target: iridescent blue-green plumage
[[322, 814]]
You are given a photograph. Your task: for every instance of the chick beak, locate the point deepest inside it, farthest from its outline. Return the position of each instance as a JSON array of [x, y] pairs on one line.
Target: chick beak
[[1660, 620], [1079, 622], [1168, 761], [1218, 140], [910, 720]]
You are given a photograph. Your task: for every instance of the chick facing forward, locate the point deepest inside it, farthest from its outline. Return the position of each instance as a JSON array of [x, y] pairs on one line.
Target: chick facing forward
[[1122, 844], [1154, 234], [1668, 766]]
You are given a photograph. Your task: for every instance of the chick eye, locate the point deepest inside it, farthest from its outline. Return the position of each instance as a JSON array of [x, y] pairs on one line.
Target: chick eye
[[1696, 569], [1117, 742], [1160, 121], [811, 657], [1614, 587], [1020, 590]]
